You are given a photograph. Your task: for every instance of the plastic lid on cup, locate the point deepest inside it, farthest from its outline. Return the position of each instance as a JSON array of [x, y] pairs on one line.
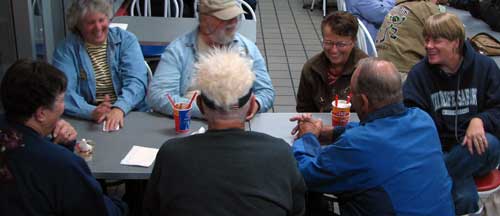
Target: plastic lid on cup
[[341, 104]]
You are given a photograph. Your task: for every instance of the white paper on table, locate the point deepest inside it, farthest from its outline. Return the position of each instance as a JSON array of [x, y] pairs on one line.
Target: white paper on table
[[140, 156], [123, 26], [199, 131]]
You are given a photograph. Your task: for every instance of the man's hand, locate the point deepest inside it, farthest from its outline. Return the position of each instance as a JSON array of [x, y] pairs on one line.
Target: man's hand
[[63, 132], [100, 112], [114, 119], [306, 124], [255, 110], [475, 136]]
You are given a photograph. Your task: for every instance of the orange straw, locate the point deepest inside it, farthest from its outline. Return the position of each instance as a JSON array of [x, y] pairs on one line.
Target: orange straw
[[192, 99], [336, 100], [172, 102]]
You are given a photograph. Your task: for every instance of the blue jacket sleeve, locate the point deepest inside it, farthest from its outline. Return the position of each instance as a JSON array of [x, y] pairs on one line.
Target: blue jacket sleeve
[[263, 87], [65, 59], [167, 79], [133, 74], [334, 168]]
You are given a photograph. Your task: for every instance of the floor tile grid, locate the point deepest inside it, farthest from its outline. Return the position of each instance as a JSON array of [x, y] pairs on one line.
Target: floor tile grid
[[287, 36]]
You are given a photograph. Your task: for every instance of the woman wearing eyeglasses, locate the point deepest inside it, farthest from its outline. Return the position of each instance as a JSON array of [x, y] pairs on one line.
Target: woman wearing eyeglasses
[[328, 73]]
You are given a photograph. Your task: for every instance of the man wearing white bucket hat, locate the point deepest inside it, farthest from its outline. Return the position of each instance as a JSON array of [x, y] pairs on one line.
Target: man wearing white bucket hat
[[219, 21]]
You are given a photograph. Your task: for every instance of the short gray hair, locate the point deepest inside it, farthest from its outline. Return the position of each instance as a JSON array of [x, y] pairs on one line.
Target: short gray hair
[[380, 81], [80, 8]]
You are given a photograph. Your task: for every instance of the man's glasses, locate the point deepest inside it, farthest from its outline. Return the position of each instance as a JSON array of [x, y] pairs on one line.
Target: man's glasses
[[341, 44]]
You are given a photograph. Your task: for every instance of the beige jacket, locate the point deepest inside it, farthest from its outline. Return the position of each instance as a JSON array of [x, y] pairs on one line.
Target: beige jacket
[[400, 39]]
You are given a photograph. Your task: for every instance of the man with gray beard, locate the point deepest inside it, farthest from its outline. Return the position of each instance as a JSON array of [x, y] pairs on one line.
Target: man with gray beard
[[219, 21]]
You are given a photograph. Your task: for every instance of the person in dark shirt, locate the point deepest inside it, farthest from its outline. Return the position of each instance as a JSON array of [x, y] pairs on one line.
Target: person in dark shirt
[[460, 89], [227, 170], [39, 176]]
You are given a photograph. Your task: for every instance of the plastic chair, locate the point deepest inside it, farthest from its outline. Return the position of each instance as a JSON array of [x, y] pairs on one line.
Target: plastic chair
[[135, 4], [324, 6], [341, 6], [166, 6], [243, 3], [150, 72], [147, 8], [486, 186], [363, 37]]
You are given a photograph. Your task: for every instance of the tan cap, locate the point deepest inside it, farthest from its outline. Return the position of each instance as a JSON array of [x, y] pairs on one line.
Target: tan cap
[[222, 9]]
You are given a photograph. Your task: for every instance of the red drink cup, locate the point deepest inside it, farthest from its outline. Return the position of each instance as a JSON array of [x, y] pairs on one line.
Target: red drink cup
[[340, 113]]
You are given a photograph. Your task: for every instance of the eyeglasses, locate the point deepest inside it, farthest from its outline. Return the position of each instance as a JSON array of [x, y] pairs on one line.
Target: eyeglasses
[[340, 45]]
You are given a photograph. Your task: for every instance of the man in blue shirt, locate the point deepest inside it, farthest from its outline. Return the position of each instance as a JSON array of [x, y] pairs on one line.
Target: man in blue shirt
[[390, 163], [175, 72]]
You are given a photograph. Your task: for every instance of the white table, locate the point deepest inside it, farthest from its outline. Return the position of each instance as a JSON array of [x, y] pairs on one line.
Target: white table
[[163, 30], [141, 128], [153, 129], [279, 125]]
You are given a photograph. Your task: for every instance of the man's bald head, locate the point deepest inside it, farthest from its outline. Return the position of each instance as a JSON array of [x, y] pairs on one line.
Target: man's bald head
[[379, 80]]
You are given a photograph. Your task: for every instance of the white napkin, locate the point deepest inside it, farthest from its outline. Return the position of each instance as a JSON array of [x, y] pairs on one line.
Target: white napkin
[[119, 25], [199, 131], [140, 156], [105, 130]]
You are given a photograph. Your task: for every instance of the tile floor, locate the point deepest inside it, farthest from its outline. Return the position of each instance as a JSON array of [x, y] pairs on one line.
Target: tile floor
[[287, 35]]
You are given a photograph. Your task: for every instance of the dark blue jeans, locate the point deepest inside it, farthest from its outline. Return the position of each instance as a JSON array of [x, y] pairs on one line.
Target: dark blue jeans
[[462, 167]]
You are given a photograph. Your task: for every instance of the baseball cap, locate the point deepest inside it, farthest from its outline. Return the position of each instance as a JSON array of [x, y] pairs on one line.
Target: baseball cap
[[222, 9]]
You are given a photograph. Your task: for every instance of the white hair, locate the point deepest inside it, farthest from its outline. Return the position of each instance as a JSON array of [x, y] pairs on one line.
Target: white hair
[[224, 76], [80, 8]]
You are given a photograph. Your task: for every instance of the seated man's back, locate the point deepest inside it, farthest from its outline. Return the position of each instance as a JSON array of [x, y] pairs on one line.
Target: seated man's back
[[226, 172], [394, 162], [390, 163]]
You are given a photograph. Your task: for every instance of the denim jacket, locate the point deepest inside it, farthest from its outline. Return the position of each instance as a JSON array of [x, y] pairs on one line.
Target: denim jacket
[[175, 73], [126, 63]]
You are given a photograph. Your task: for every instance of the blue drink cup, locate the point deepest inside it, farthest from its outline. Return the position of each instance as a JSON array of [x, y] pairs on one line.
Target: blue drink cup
[[182, 117]]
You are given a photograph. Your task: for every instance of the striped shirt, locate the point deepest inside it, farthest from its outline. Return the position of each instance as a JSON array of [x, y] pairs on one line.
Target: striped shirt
[[103, 82]]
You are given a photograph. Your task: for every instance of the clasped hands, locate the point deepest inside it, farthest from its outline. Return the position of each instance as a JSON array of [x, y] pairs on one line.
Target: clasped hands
[[63, 133], [111, 116], [307, 124]]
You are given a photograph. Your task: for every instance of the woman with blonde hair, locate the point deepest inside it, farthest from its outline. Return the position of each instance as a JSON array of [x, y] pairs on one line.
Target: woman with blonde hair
[[460, 89]]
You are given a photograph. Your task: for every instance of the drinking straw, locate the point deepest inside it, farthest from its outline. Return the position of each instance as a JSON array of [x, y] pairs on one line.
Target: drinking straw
[[192, 99], [349, 97], [172, 102], [336, 100]]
